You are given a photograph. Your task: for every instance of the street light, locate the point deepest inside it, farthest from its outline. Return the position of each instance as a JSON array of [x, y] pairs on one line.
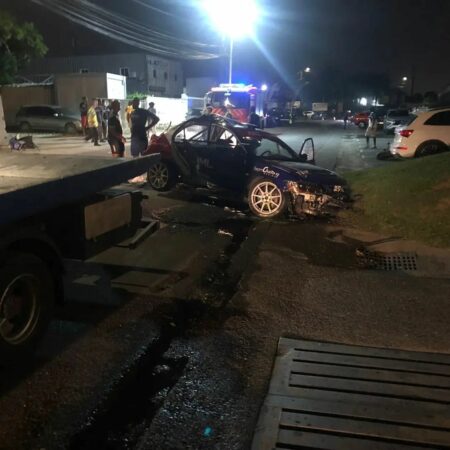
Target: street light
[[234, 19], [405, 79], [308, 69]]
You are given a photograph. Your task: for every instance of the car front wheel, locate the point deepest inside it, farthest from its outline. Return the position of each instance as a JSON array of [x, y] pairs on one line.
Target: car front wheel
[[265, 199], [70, 128], [162, 176], [25, 127]]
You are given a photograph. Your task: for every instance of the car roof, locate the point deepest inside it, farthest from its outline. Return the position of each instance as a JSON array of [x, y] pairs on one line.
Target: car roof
[[439, 108]]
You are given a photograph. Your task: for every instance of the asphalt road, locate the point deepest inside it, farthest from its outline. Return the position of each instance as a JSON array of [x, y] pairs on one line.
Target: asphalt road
[[171, 345]]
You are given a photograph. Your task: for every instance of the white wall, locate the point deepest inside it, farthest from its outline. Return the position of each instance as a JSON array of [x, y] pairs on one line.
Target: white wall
[[171, 111]]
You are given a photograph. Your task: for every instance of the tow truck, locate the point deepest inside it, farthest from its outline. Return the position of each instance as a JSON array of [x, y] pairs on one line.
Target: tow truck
[[53, 208], [236, 100]]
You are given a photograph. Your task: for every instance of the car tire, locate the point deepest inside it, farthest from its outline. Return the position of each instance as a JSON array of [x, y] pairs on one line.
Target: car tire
[[430, 148], [70, 128], [265, 199], [162, 176], [27, 299], [25, 127]]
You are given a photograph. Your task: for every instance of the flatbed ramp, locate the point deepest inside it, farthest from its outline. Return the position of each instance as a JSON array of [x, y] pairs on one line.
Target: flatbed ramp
[[334, 396]]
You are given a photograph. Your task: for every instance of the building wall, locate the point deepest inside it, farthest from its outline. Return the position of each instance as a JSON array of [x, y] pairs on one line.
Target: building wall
[[165, 77], [15, 96], [146, 73]]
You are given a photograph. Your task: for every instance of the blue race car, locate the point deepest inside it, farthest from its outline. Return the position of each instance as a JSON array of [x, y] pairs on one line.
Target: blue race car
[[215, 152]]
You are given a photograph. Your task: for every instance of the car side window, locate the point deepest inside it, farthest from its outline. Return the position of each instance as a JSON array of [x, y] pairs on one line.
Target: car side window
[[192, 133], [32, 111], [220, 135], [440, 119]]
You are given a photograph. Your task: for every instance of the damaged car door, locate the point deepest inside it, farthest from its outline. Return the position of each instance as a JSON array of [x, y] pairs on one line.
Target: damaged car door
[[226, 165]]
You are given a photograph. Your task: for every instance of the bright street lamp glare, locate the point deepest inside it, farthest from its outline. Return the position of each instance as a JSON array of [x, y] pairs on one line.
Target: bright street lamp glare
[[308, 69], [264, 87], [405, 78], [234, 18]]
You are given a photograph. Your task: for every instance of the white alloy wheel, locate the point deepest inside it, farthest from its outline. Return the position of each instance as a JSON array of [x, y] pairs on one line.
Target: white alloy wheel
[[266, 199], [158, 176]]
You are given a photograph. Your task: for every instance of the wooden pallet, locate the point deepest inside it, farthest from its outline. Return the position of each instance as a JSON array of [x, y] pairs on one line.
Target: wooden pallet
[[333, 396]]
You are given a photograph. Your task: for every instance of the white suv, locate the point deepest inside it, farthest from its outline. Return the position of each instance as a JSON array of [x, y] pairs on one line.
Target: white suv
[[426, 134]]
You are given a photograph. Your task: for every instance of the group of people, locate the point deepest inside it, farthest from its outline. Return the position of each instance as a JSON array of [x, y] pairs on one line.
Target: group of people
[[101, 122]]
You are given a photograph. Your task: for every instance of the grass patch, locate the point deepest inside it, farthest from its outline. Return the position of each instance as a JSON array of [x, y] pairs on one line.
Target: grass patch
[[410, 198]]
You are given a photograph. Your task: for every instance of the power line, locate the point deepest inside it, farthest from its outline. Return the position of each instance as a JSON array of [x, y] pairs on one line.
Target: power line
[[125, 30]]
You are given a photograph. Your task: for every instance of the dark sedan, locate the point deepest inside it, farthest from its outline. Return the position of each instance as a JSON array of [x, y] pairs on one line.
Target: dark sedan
[[215, 152]]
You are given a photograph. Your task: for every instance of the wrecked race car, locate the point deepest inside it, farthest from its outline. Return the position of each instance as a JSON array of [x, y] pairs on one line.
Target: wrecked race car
[[219, 153]]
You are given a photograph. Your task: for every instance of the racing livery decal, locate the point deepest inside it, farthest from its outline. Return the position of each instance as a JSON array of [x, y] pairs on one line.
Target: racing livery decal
[[267, 171]]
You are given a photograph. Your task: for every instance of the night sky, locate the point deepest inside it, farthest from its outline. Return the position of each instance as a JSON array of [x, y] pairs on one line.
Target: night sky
[[397, 37]]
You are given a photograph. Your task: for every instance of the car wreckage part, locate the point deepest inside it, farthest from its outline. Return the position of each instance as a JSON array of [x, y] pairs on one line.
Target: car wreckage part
[[266, 199], [309, 200]]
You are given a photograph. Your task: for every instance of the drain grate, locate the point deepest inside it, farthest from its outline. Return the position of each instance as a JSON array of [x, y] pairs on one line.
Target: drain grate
[[399, 261], [343, 397], [405, 261]]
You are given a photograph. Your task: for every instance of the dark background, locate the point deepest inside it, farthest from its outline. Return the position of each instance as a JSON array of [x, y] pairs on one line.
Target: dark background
[[395, 37]]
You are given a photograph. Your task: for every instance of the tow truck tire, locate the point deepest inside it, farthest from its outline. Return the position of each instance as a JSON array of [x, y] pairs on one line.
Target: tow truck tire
[[27, 299], [162, 176], [265, 199]]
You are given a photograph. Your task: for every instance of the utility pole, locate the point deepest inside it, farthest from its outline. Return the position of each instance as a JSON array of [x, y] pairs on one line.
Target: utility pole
[[413, 79]]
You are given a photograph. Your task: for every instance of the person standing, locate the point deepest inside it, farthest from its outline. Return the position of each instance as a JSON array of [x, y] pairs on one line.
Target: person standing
[[139, 128], [99, 110], [128, 113], [83, 114], [116, 139], [93, 122], [152, 109], [372, 129], [254, 118], [345, 120]]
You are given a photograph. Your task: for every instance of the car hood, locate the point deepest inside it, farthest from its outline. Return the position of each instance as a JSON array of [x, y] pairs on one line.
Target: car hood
[[310, 173]]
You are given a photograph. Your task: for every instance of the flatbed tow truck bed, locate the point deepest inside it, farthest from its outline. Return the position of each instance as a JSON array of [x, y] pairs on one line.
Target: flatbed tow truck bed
[[30, 184], [54, 208]]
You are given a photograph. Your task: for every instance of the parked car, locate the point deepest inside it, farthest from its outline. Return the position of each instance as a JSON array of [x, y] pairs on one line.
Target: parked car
[[361, 119], [222, 154], [280, 116], [47, 118], [395, 118], [426, 134]]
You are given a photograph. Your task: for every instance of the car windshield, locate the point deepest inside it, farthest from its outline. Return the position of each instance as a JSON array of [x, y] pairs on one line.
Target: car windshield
[[412, 118], [398, 113], [232, 99], [271, 149]]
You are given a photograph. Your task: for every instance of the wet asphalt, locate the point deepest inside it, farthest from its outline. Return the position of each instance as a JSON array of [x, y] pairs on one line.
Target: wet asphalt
[[171, 345]]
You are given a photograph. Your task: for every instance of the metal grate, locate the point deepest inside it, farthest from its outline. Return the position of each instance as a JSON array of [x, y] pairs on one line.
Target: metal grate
[[405, 261], [343, 397], [399, 261]]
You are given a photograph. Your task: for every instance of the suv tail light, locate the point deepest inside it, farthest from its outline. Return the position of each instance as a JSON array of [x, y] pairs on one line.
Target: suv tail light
[[406, 133]]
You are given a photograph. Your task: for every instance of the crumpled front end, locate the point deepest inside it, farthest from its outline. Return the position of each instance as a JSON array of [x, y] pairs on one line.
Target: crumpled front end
[[312, 200]]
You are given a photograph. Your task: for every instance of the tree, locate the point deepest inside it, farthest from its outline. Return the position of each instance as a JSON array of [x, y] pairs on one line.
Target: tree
[[19, 43]]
